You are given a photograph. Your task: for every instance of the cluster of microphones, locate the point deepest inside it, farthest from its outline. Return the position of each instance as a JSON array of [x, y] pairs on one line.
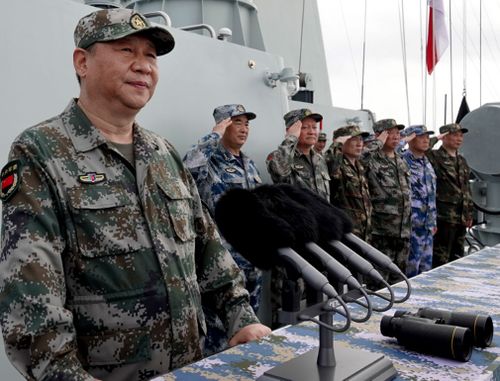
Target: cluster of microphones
[[293, 227]]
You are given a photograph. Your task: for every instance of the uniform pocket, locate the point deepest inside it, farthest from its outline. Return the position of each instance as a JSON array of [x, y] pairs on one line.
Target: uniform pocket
[[179, 205], [125, 346], [105, 220]]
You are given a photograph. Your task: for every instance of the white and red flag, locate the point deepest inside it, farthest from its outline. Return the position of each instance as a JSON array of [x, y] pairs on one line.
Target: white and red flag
[[437, 36]]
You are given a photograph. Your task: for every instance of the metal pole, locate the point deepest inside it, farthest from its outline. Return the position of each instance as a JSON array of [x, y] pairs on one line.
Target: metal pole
[[363, 65], [480, 52], [445, 104], [451, 65]]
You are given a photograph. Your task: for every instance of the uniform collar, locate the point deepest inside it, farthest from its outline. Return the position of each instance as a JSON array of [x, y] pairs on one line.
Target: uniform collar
[[413, 157], [85, 137], [228, 155], [82, 133]]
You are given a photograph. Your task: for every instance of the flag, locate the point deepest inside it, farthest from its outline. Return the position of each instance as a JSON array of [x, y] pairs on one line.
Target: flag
[[463, 110], [437, 36]]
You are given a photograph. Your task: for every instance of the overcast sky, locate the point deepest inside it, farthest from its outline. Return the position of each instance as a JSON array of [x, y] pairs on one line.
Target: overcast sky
[[384, 86]]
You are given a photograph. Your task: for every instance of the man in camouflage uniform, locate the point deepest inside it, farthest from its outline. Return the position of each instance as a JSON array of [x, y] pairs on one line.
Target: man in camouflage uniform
[[454, 200], [423, 200], [321, 143], [295, 161], [107, 253], [389, 182], [217, 165], [349, 187]]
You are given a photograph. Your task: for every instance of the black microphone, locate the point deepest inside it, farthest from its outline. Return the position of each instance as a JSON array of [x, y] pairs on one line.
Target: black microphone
[[252, 231], [373, 254], [332, 224], [264, 239], [305, 228]]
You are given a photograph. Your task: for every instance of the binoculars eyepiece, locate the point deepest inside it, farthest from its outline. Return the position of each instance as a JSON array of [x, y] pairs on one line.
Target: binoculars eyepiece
[[439, 332]]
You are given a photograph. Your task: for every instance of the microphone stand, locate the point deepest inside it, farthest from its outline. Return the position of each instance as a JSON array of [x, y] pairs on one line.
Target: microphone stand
[[329, 362]]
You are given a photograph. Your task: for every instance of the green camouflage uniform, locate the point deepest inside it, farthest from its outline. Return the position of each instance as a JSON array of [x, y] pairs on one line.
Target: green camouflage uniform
[[289, 165], [348, 186], [104, 267], [453, 201], [389, 182]]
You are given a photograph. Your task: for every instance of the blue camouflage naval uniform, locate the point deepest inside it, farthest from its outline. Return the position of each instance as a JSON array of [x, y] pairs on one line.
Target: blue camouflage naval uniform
[[104, 266], [423, 213], [215, 171]]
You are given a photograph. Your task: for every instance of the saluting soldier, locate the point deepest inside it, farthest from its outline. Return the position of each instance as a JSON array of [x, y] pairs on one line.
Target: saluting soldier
[[348, 186], [218, 164], [389, 182], [295, 161], [217, 161], [454, 199], [107, 253], [423, 199]]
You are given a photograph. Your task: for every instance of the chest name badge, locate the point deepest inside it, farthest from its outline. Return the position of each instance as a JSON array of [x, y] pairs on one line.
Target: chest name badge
[[92, 178], [230, 170], [10, 179]]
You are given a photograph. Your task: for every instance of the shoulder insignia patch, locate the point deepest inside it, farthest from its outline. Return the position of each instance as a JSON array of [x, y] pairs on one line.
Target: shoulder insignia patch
[[92, 178], [10, 179], [230, 170]]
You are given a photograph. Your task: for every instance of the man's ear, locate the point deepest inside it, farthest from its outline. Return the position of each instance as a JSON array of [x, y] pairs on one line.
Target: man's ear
[[80, 57]]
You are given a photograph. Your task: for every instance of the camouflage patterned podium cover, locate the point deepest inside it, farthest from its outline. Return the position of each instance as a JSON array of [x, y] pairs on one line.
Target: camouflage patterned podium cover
[[471, 284]]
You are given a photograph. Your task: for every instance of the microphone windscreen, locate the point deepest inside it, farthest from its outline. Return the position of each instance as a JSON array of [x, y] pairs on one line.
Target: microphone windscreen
[[332, 222], [299, 217], [253, 232]]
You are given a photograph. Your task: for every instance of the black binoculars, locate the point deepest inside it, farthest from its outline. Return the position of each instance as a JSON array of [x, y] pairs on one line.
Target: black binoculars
[[439, 332]]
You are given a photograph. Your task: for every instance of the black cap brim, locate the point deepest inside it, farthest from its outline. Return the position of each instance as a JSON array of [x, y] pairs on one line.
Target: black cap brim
[[315, 116], [249, 115], [161, 38], [363, 134], [425, 133]]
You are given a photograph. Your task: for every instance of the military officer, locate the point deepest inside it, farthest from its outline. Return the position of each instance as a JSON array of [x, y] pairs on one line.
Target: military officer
[[295, 161], [389, 182], [107, 253], [454, 200], [218, 164], [423, 199], [321, 143], [348, 186]]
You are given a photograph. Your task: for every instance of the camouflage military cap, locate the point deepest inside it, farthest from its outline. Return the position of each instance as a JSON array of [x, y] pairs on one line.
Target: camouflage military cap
[[114, 24], [292, 116], [229, 111], [322, 137], [386, 124], [451, 128], [370, 138], [351, 131], [418, 130]]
